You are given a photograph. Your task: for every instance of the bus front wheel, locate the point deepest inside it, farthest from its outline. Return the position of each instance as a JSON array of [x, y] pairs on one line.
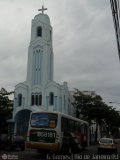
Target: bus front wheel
[[66, 149]]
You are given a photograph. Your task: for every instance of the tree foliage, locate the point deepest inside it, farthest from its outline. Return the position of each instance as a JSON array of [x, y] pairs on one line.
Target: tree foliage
[[6, 107], [91, 107]]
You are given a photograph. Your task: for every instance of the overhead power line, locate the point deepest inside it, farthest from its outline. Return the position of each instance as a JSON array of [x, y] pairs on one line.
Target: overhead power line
[[115, 7]]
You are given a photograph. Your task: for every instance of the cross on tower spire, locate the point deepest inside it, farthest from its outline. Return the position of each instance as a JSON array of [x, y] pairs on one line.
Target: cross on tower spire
[[42, 9]]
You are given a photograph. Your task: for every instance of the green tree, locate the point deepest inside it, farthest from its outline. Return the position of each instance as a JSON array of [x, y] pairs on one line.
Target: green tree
[[91, 107], [113, 121], [6, 108]]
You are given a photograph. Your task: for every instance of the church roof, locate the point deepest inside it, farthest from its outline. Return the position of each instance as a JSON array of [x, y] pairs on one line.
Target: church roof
[[44, 18]]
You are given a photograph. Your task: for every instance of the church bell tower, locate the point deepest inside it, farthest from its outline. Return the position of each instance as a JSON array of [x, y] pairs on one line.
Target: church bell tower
[[40, 51], [39, 92]]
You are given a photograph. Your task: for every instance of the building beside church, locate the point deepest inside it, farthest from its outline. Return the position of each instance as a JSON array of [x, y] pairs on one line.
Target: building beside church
[[39, 92]]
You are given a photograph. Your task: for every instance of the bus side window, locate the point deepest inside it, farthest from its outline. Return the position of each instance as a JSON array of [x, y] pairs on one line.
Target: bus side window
[[71, 125], [82, 128], [76, 127], [64, 124], [85, 129], [79, 128]]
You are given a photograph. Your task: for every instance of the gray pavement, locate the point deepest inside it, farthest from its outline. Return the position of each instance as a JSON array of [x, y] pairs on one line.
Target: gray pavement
[[90, 154]]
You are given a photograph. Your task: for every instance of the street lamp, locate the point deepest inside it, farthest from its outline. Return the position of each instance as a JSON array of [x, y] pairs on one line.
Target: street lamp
[[115, 102]]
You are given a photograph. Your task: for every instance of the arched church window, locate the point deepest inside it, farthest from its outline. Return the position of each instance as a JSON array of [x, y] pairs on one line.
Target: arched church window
[[51, 98], [40, 100], [64, 101], [39, 31], [50, 34], [36, 100], [32, 100], [51, 67], [19, 99]]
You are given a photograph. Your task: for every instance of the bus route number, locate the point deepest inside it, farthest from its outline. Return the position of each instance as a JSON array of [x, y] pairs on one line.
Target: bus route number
[[46, 134]]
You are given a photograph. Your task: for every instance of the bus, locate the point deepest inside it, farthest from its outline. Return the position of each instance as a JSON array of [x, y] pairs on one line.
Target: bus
[[57, 132]]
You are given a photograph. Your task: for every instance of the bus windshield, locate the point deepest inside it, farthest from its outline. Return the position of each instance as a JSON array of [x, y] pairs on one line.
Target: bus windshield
[[47, 120]]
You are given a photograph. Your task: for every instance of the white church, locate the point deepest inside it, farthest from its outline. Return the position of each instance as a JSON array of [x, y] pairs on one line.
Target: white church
[[40, 92]]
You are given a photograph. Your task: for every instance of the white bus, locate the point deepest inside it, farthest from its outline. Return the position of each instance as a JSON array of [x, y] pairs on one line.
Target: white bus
[[55, 131]]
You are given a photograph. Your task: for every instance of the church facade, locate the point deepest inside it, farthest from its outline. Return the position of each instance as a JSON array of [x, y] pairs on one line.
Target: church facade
[[40, 92]]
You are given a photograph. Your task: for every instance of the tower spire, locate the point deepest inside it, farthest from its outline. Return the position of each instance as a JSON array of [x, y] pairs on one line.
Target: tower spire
[[42, 9]]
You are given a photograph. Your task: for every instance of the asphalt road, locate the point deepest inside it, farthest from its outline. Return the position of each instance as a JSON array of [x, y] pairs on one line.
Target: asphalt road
[[88, 154]]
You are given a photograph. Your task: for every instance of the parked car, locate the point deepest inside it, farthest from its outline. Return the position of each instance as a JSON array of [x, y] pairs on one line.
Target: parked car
[[11, 142], [107, 145]]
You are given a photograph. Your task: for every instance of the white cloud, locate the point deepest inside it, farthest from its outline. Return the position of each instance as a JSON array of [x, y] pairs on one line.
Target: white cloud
[[84, 44]]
